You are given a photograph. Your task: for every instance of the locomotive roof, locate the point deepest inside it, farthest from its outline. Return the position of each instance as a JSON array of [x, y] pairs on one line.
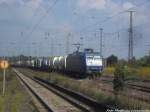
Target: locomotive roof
[[85, 53], [93, 53]]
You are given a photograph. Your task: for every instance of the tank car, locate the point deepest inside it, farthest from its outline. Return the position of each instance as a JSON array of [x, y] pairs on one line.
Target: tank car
[[62, 63], [55, 62], [45, 64]]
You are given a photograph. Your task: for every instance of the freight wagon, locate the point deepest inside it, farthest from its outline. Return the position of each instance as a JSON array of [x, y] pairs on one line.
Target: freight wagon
[[80, 64]]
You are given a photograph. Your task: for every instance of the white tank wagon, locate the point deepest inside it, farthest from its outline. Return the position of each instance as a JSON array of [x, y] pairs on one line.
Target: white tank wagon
[[32, 62], [55, 63], [62, 60]]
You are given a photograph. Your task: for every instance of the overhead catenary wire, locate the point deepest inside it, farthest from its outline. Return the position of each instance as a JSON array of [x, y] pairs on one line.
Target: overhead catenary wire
[[45, 14], [126, 29], [40, 19], [47, 11], [115, 15]]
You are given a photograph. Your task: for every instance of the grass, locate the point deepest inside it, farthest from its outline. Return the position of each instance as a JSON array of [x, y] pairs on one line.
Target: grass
[[142, 73], [127, 102], [15, 98], [91, 88], [109, 70]]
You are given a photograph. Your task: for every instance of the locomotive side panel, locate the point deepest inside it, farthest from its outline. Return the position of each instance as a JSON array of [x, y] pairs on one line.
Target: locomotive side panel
[[76, 63]]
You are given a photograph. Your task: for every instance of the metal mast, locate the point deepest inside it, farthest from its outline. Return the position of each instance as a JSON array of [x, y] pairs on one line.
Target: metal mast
[[68, 43], [52, 46], [101, 41], [130, 52]]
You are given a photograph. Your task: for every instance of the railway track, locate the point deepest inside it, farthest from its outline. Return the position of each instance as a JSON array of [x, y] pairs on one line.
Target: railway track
[[131, 86], [37, 101], [69, 101], [109, 80], [139, 87], [139, 93]]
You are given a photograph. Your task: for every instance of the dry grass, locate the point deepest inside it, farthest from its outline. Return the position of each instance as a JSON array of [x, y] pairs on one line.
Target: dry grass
[[15, 98], [109, 70], [139, 72], [92, 89], [85, 87], [128, 102], [144, 72]]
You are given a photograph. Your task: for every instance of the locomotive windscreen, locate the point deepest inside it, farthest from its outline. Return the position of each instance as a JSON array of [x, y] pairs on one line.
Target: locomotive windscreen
[[93, 60]]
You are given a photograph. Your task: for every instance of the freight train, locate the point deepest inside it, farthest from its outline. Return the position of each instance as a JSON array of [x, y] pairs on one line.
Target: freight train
[[78, 63]]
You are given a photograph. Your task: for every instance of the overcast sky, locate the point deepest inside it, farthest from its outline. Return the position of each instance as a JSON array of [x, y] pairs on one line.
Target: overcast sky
[[31, 26]]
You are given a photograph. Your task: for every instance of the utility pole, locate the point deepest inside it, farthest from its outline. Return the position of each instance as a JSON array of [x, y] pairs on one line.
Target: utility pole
[[68, 43], [21, 53], [81, 39], [34, 48], [149, 50], [48, 34], [130, 51], [52, 46], [46, 39], [101, 41], [118, 35], [59, 50]]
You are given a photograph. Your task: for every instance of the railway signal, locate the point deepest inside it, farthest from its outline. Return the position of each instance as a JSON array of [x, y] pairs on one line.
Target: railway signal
[[4, 65]]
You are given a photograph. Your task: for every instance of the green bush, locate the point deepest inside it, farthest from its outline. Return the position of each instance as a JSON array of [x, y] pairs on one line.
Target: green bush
[[119, 78]]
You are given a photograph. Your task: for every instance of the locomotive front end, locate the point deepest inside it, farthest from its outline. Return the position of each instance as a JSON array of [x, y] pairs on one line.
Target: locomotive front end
[[94, 63]]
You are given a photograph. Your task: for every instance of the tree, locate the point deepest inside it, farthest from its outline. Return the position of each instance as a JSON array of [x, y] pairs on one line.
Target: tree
[[112, 60], [144, 61]]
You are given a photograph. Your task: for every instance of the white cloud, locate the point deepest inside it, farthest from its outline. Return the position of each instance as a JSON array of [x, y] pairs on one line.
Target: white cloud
[[92, 4], [11, 2], [27, 8], [34, 3], [127, 5], [107, 5]]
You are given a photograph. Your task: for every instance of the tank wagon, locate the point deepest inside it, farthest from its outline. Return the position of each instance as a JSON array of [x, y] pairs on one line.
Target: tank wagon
[[45, 64]]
